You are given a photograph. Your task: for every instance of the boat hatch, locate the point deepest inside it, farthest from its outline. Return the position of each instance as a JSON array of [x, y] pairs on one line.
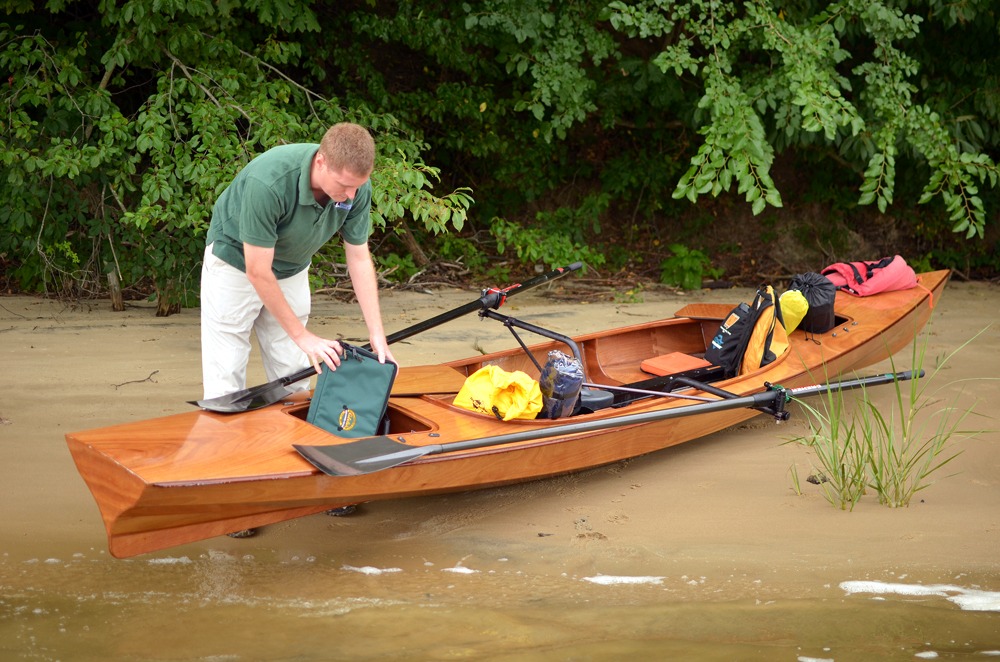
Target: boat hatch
[[399, 421]]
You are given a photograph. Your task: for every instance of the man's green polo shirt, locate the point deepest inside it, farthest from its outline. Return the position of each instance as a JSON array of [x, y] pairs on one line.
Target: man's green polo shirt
[[270, 203]]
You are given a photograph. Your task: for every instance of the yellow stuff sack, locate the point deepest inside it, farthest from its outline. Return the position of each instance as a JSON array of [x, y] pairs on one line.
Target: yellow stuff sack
[[506, 395], [794, 307]]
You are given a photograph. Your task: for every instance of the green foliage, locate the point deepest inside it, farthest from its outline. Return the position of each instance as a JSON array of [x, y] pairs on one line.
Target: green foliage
[[465, 251], [555, 50], [535, 246], [398, 268], [117, 146], [910, 441], [756, 60], [879, 94], [578, 223], [686, 268], [892, 449], [402, 190], [596, 122], [841, 455]]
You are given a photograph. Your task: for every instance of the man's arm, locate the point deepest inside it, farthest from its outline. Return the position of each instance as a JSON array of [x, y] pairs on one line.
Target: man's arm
[[258, 263], [365, 284]]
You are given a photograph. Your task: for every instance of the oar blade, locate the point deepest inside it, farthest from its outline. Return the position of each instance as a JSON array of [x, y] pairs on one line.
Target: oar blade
[[254, 397], [245, 400], [363, 456]]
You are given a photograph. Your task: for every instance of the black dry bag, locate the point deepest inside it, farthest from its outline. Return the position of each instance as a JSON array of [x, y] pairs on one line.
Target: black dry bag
[[820, 293]]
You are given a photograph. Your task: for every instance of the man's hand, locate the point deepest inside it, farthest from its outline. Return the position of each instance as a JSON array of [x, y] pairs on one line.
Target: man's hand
[[319, 350], [381, 347]]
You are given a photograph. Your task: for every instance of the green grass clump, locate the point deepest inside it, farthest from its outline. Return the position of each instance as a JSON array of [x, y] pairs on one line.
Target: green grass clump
[[892, 451]]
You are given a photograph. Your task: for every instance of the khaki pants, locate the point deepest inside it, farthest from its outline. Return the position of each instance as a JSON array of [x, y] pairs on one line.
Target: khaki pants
[[230, 310]]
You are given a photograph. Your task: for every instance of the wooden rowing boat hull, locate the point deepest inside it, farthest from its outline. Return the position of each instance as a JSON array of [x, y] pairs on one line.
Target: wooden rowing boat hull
[[182, 478]]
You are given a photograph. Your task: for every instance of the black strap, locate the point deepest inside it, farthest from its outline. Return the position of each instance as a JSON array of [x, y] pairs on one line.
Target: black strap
[[832, 269], [881, 264]]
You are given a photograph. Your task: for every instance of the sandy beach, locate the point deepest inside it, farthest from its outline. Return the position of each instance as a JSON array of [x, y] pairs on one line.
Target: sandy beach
[[715, 520]]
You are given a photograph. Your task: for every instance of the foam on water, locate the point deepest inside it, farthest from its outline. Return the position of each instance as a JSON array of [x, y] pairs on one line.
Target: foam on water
[[461, 570], [609, 580], [369, 570], [968, 599], [170, 560]]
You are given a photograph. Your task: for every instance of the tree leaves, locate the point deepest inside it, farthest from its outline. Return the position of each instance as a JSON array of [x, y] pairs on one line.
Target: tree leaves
[[735, 149], [121, 127], [202, 106]]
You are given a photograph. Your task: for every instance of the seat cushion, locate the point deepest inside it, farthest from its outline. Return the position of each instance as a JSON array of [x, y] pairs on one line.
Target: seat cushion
[[671, 363]]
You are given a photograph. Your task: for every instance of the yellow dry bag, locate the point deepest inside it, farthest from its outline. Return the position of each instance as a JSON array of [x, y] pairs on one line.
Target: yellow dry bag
[[794, 307], [506, 395]]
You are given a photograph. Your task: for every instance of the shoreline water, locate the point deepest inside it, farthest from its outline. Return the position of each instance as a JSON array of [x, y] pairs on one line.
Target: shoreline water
[[716, 519]]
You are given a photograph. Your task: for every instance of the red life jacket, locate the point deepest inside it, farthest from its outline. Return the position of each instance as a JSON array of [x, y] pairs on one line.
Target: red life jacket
[[865, 278]]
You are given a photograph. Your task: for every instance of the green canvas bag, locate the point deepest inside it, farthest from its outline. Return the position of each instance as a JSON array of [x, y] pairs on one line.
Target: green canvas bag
[[351, 400]]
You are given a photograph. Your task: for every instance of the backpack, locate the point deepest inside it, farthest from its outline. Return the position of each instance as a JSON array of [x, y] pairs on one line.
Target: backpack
[[752, 335], [820, 293], [865, 278]]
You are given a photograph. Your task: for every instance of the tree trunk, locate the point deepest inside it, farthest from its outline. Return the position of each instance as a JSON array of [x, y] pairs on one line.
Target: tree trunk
[[419, 257], [165, 305], [115, 286]]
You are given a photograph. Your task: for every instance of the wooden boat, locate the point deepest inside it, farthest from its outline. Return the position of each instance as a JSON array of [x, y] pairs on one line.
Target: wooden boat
[[187, 477]]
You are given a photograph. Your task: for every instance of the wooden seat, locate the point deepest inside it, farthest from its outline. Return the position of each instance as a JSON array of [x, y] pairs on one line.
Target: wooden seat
[[674, 362]]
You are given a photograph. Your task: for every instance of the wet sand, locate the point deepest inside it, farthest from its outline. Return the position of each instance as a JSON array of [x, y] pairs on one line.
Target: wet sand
[[517, 570]]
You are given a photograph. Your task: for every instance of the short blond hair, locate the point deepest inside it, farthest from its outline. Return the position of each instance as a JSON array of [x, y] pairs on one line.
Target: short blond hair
[[348, 146]]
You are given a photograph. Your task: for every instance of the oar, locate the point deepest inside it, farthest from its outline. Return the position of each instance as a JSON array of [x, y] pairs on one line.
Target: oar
[[376, 453], [256, 397]]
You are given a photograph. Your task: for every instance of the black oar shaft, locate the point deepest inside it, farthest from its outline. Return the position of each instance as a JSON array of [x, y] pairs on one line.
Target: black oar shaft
[[492, 298], [266, 394], [769, 398], [642, 391], [751, 401], [860, 382], [373, 454]]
